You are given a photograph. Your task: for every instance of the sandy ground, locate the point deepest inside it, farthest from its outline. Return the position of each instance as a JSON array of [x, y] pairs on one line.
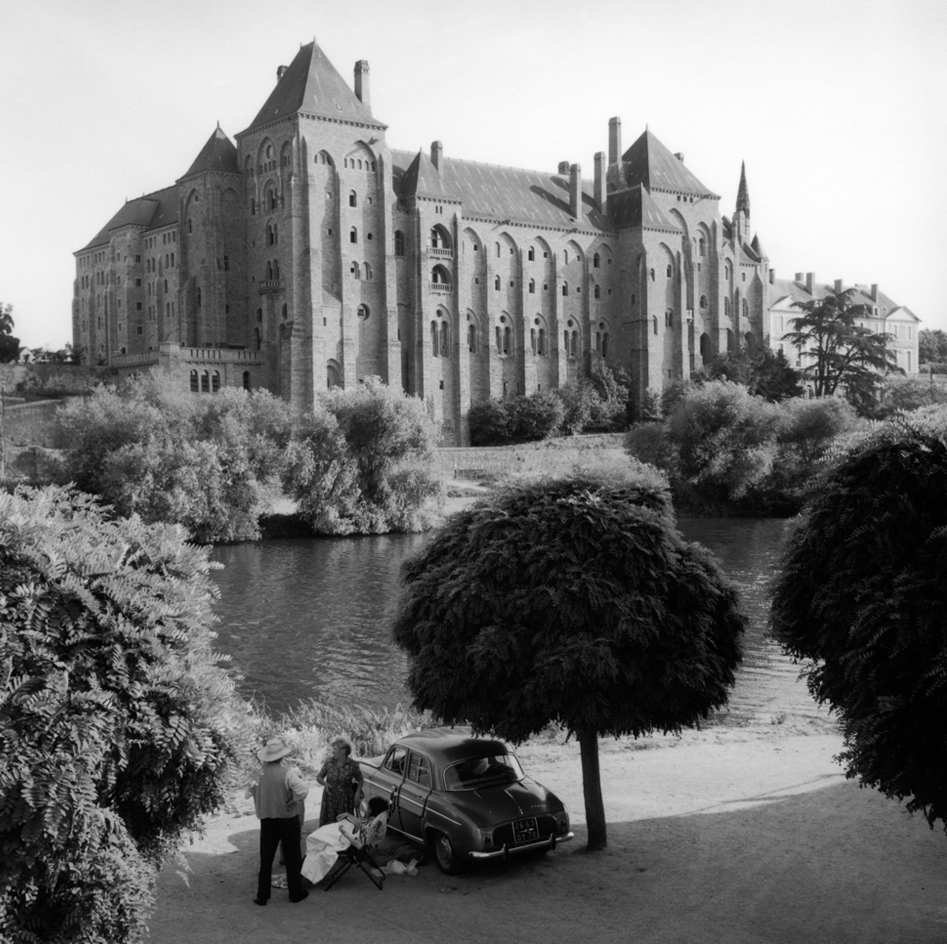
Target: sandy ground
[[730, 834]]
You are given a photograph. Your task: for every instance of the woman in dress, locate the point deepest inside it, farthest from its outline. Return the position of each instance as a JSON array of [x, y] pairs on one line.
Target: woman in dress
[[327, 842], [341, 778]]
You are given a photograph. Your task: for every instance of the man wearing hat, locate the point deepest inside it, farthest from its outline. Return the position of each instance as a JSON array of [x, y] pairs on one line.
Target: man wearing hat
[[277, 797]]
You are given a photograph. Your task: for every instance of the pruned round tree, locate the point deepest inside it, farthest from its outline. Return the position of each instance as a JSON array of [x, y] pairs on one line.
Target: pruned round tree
[[862, 593], [570, 601]]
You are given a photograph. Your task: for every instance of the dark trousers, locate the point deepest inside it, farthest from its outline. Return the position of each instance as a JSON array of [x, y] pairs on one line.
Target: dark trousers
[[285, 830]]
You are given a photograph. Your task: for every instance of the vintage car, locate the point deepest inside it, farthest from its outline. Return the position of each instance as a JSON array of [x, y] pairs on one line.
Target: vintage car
[[464, 797]]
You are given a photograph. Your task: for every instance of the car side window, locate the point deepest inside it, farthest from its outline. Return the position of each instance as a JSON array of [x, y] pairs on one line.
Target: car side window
[[395, 761], [419, 770]]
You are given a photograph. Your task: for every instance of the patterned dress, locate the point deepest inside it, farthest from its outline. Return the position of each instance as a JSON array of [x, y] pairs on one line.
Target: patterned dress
[[342, 782]]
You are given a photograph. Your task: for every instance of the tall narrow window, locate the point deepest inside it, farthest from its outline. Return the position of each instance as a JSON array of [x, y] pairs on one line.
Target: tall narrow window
[[399, 243], [434, 338], [353, 235], [353, 198]]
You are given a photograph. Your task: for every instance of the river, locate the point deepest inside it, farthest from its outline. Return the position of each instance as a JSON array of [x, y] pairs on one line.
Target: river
[[310, 618]]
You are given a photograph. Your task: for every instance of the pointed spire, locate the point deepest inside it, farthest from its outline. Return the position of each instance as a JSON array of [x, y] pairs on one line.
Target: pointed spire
[[743, 194]]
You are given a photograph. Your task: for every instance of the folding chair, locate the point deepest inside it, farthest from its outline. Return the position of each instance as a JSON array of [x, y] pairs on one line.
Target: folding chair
[[359, 856]]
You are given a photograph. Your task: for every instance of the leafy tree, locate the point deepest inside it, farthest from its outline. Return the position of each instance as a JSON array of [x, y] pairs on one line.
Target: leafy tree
[[610, 410], [213, 464], [932, 346], [489, 423], [9, 345], [764, 373], [842, 354], [362, 462], [115, 718], [912, 395], [579, 401], [724, 439], [861, 594], [808, 428], [572, 601]]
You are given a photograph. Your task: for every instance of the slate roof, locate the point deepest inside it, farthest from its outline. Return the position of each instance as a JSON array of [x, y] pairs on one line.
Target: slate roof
[[218, 154], [652, 165], [496, 193], [151, 211], [312, 85], [787, 291], [630, 209]]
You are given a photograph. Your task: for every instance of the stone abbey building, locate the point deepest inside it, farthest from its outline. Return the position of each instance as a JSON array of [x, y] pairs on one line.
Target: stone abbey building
[[309, 254]]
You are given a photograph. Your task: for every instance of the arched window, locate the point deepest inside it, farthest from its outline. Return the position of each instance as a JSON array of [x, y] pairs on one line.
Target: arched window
[[565, 288], [472, 338], [195, 386], [246, 380], [605, 344], [498, 250], [353, 235], [541, 342], [284, 312], [399, 243], [654, 324], [362, 313], [507, 340], [353, 198], [215, 381], [574, 344], [205, 382], [445, 339], [271, 199], [368, 272], [669, 318], [670, 270], [726, 307], [700, 246], [440, 275], [652, 275], [531, 254], [190, 226], [496, 283], [532, 286], [597, 291], [434, 339], [595, 261]]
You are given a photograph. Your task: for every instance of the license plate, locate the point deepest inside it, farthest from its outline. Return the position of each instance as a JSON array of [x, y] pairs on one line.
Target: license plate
[[525, 830]]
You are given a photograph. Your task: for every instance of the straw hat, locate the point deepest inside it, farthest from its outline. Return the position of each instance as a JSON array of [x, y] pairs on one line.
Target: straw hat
[[274, 750]]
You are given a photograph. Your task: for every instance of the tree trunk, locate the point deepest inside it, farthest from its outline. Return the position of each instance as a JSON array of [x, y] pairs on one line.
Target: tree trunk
[[592, 789]]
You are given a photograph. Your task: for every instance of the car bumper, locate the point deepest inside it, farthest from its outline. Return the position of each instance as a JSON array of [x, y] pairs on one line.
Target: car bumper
[[549, 843]]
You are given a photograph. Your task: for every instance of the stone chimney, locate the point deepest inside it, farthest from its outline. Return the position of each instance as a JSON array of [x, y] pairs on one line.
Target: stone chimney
[[799, 277], [838, 286], [874, 291], [437, 152], [810, 283], [600, 180], [563, 167], [614, 140], [575, 191], [772, 276], [362, 83], [280, 72]]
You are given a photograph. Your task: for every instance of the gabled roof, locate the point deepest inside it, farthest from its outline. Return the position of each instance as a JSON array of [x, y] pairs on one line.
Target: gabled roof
[[757, 247], [651, 164], [630, 209], [151, 211], [219, 154], [497, 193], [312, 85]]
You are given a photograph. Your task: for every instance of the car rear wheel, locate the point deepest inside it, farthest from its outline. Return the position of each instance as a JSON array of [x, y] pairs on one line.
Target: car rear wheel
[[444, 853]]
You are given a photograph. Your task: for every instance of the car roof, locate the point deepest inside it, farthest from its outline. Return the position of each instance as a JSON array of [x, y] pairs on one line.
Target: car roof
[[452, 745]]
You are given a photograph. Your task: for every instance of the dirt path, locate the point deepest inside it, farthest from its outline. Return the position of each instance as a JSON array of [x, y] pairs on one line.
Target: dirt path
[[729, 834]]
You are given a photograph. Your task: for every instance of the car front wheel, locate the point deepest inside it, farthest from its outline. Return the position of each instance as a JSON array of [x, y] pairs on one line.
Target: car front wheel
[[447, 859]]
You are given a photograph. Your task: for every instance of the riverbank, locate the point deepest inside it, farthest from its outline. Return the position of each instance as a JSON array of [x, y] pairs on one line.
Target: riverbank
[[736, 834]]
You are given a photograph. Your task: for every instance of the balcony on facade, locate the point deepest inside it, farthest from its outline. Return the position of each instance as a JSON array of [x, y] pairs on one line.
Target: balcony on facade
[[443, 253], [271, 286]]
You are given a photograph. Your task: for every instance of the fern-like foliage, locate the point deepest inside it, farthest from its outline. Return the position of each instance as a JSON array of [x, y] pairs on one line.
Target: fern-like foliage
[[113, 729], [862, 596]]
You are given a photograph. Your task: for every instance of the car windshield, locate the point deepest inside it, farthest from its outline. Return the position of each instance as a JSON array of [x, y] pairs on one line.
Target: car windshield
[[477, 772]]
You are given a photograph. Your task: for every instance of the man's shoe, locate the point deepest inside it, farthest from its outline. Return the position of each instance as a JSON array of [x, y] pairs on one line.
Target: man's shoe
[[259, 901], [302, 897]]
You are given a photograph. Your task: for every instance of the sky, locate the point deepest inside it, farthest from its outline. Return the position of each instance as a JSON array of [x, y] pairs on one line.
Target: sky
[[836, 106]]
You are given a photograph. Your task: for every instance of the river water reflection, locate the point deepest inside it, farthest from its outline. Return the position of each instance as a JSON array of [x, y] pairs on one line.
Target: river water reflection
[[310, 618]]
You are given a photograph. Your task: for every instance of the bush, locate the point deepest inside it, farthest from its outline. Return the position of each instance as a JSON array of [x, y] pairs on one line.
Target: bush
[[361, 463], [514, 420], [912, 395], [116, 722], [212, 464], [861, 593], [489, 423]]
